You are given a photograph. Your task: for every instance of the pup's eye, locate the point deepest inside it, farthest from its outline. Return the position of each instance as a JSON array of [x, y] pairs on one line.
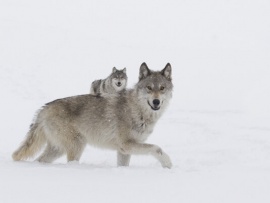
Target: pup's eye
[[149, 87], [162, 88]]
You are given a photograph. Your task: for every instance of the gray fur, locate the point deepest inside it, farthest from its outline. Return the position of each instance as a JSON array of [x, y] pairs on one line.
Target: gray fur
[[115, 82], [120, 122]]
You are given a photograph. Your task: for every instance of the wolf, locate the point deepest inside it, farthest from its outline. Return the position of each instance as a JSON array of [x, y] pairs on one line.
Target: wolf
[[115, 82], [120, 122]]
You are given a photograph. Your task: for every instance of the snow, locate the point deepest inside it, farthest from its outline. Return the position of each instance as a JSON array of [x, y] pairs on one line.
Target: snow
[[216, 129]]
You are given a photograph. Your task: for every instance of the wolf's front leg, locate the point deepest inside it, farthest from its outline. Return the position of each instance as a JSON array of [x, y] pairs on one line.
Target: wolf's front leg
[[141, 148], [123, 159]]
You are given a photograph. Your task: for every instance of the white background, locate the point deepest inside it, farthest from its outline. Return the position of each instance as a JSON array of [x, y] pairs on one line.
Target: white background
[[216, 129]]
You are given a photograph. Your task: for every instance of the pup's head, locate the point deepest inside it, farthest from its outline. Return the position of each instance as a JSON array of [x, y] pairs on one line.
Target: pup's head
[[119, 79], [155, 87]]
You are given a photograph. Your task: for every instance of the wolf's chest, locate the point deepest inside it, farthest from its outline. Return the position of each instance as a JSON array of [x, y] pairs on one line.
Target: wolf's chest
[[142, 129]]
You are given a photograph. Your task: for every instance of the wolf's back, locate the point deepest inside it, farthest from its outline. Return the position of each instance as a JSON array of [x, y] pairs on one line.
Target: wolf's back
[[95, 87]]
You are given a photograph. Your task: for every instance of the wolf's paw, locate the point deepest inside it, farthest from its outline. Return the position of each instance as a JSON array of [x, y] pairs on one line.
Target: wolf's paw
[[162, 157], [166, 161]]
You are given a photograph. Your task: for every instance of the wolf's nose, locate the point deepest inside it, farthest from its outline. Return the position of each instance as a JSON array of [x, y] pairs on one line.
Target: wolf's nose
[[156, 102], [119, 83]]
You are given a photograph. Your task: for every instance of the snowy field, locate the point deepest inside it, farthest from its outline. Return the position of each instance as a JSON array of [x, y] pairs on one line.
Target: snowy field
[[216, 129]]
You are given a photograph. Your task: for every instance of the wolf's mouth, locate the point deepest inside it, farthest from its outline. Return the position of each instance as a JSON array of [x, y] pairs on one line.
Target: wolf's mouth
[[153, 108], [118, 85]]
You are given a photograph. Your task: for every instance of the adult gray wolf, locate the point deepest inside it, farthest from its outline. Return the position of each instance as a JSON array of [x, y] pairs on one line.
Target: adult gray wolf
[[115, 82], [120, 122]]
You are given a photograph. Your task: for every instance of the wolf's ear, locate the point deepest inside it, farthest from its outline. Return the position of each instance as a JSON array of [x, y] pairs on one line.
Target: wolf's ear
[[144, 71], [125, 70], [167, 71], [114, 70]]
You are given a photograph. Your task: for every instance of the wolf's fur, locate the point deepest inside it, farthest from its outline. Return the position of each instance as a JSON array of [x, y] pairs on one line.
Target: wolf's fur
[[115, 82], [120, 122]]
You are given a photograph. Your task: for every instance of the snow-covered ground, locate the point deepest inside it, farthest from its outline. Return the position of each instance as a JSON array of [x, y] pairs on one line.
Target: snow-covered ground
[[216, 130]]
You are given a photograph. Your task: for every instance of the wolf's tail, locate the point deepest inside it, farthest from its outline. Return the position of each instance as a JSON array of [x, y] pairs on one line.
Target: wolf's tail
[[33, 142]]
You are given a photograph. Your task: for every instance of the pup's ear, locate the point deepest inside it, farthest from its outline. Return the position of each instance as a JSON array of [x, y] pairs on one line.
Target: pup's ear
[[114, 70], [144, 71], [125, 70], [167, 71]]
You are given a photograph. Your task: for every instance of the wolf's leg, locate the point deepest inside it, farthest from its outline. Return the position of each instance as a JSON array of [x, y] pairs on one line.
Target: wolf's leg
[[123, 159], [75, 148], [141, 148], [50, 154], [75, 153]]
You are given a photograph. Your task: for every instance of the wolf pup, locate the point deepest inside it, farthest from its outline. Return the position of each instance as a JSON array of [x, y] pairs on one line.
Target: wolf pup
[[117, 81], [118, 122]]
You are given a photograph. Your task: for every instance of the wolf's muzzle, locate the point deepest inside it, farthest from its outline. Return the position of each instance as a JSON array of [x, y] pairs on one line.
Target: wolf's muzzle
[[156, 104], [118, 84]]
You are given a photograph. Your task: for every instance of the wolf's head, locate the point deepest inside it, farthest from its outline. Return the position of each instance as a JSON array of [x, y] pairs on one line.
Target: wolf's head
[[119, 79], [155, 87]]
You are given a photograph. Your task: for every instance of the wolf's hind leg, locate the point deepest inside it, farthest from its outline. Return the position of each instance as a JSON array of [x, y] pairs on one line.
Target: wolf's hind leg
[[75, 148], [74, 153], [50, 154], [123, 159]]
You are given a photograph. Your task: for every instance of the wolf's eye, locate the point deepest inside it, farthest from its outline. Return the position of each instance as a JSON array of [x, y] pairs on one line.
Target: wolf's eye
[[162, 88], [149, 87]]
